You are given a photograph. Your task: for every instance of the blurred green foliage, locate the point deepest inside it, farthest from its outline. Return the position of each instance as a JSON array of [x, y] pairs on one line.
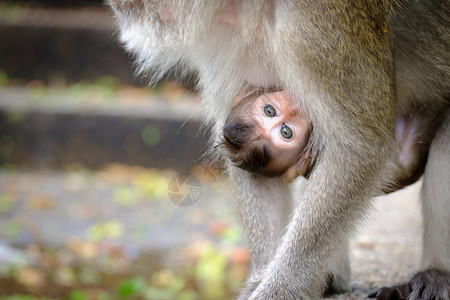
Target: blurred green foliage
[[210, 278], [22, 297], [7, 203], [8, 9], [151, 135], [106, 230], [125, 196], [210, 273], [3, 78], [151, 185], [132, 287]]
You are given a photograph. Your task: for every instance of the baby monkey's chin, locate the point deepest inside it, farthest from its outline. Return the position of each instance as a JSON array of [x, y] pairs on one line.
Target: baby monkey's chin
[[264, 170]]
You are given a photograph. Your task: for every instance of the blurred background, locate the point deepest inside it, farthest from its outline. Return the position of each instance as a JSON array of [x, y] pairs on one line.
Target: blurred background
[[104, 191]]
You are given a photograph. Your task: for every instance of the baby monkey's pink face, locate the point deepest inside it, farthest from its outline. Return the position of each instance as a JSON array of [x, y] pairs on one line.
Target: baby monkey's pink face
[[280, 123], [266, 134]]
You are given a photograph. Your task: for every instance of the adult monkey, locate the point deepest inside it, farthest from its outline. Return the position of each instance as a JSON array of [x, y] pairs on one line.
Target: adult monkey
[[354, 67]]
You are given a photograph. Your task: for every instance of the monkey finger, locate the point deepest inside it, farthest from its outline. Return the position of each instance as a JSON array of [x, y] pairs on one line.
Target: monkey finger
[[399, 292]]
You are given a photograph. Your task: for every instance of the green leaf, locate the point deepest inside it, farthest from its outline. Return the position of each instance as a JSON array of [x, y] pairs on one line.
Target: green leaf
[[78, 295], [132, 287]]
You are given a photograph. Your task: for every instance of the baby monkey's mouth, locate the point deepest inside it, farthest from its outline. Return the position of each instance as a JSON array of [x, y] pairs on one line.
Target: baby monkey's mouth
[[247, 156], [231, 143]]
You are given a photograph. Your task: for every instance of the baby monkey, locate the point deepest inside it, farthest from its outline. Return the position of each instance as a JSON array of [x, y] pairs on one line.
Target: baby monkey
[[265, 134]]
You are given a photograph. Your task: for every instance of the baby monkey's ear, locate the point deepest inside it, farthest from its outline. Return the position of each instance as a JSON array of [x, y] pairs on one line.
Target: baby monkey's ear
[[300, 167]]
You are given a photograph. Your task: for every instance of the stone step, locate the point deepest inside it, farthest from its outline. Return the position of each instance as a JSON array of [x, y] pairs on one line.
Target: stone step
[[58, 132], [53, 44]]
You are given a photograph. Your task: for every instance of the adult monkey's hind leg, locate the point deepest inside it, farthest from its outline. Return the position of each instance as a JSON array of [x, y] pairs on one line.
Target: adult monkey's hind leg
[[434, 281], [264, 204], [436, 215]]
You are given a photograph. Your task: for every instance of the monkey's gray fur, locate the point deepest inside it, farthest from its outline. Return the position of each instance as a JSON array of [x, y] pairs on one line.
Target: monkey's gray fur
[[356, 67]]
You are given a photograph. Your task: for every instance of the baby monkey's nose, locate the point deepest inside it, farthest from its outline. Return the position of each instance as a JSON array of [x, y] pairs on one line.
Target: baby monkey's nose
[[234, 135]]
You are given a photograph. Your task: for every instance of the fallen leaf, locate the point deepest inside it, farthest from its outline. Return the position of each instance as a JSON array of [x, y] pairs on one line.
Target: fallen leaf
[[41, 202], [30, 277]]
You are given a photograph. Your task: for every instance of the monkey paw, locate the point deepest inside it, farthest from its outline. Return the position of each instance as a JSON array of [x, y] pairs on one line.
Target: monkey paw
[[425, 285]]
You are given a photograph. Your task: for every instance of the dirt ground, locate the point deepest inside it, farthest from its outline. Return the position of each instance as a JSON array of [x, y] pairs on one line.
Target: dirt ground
[[122, 213]]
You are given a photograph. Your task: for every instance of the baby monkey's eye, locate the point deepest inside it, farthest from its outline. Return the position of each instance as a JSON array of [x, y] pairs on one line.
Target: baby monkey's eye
[[286, 132], [269, 110]]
